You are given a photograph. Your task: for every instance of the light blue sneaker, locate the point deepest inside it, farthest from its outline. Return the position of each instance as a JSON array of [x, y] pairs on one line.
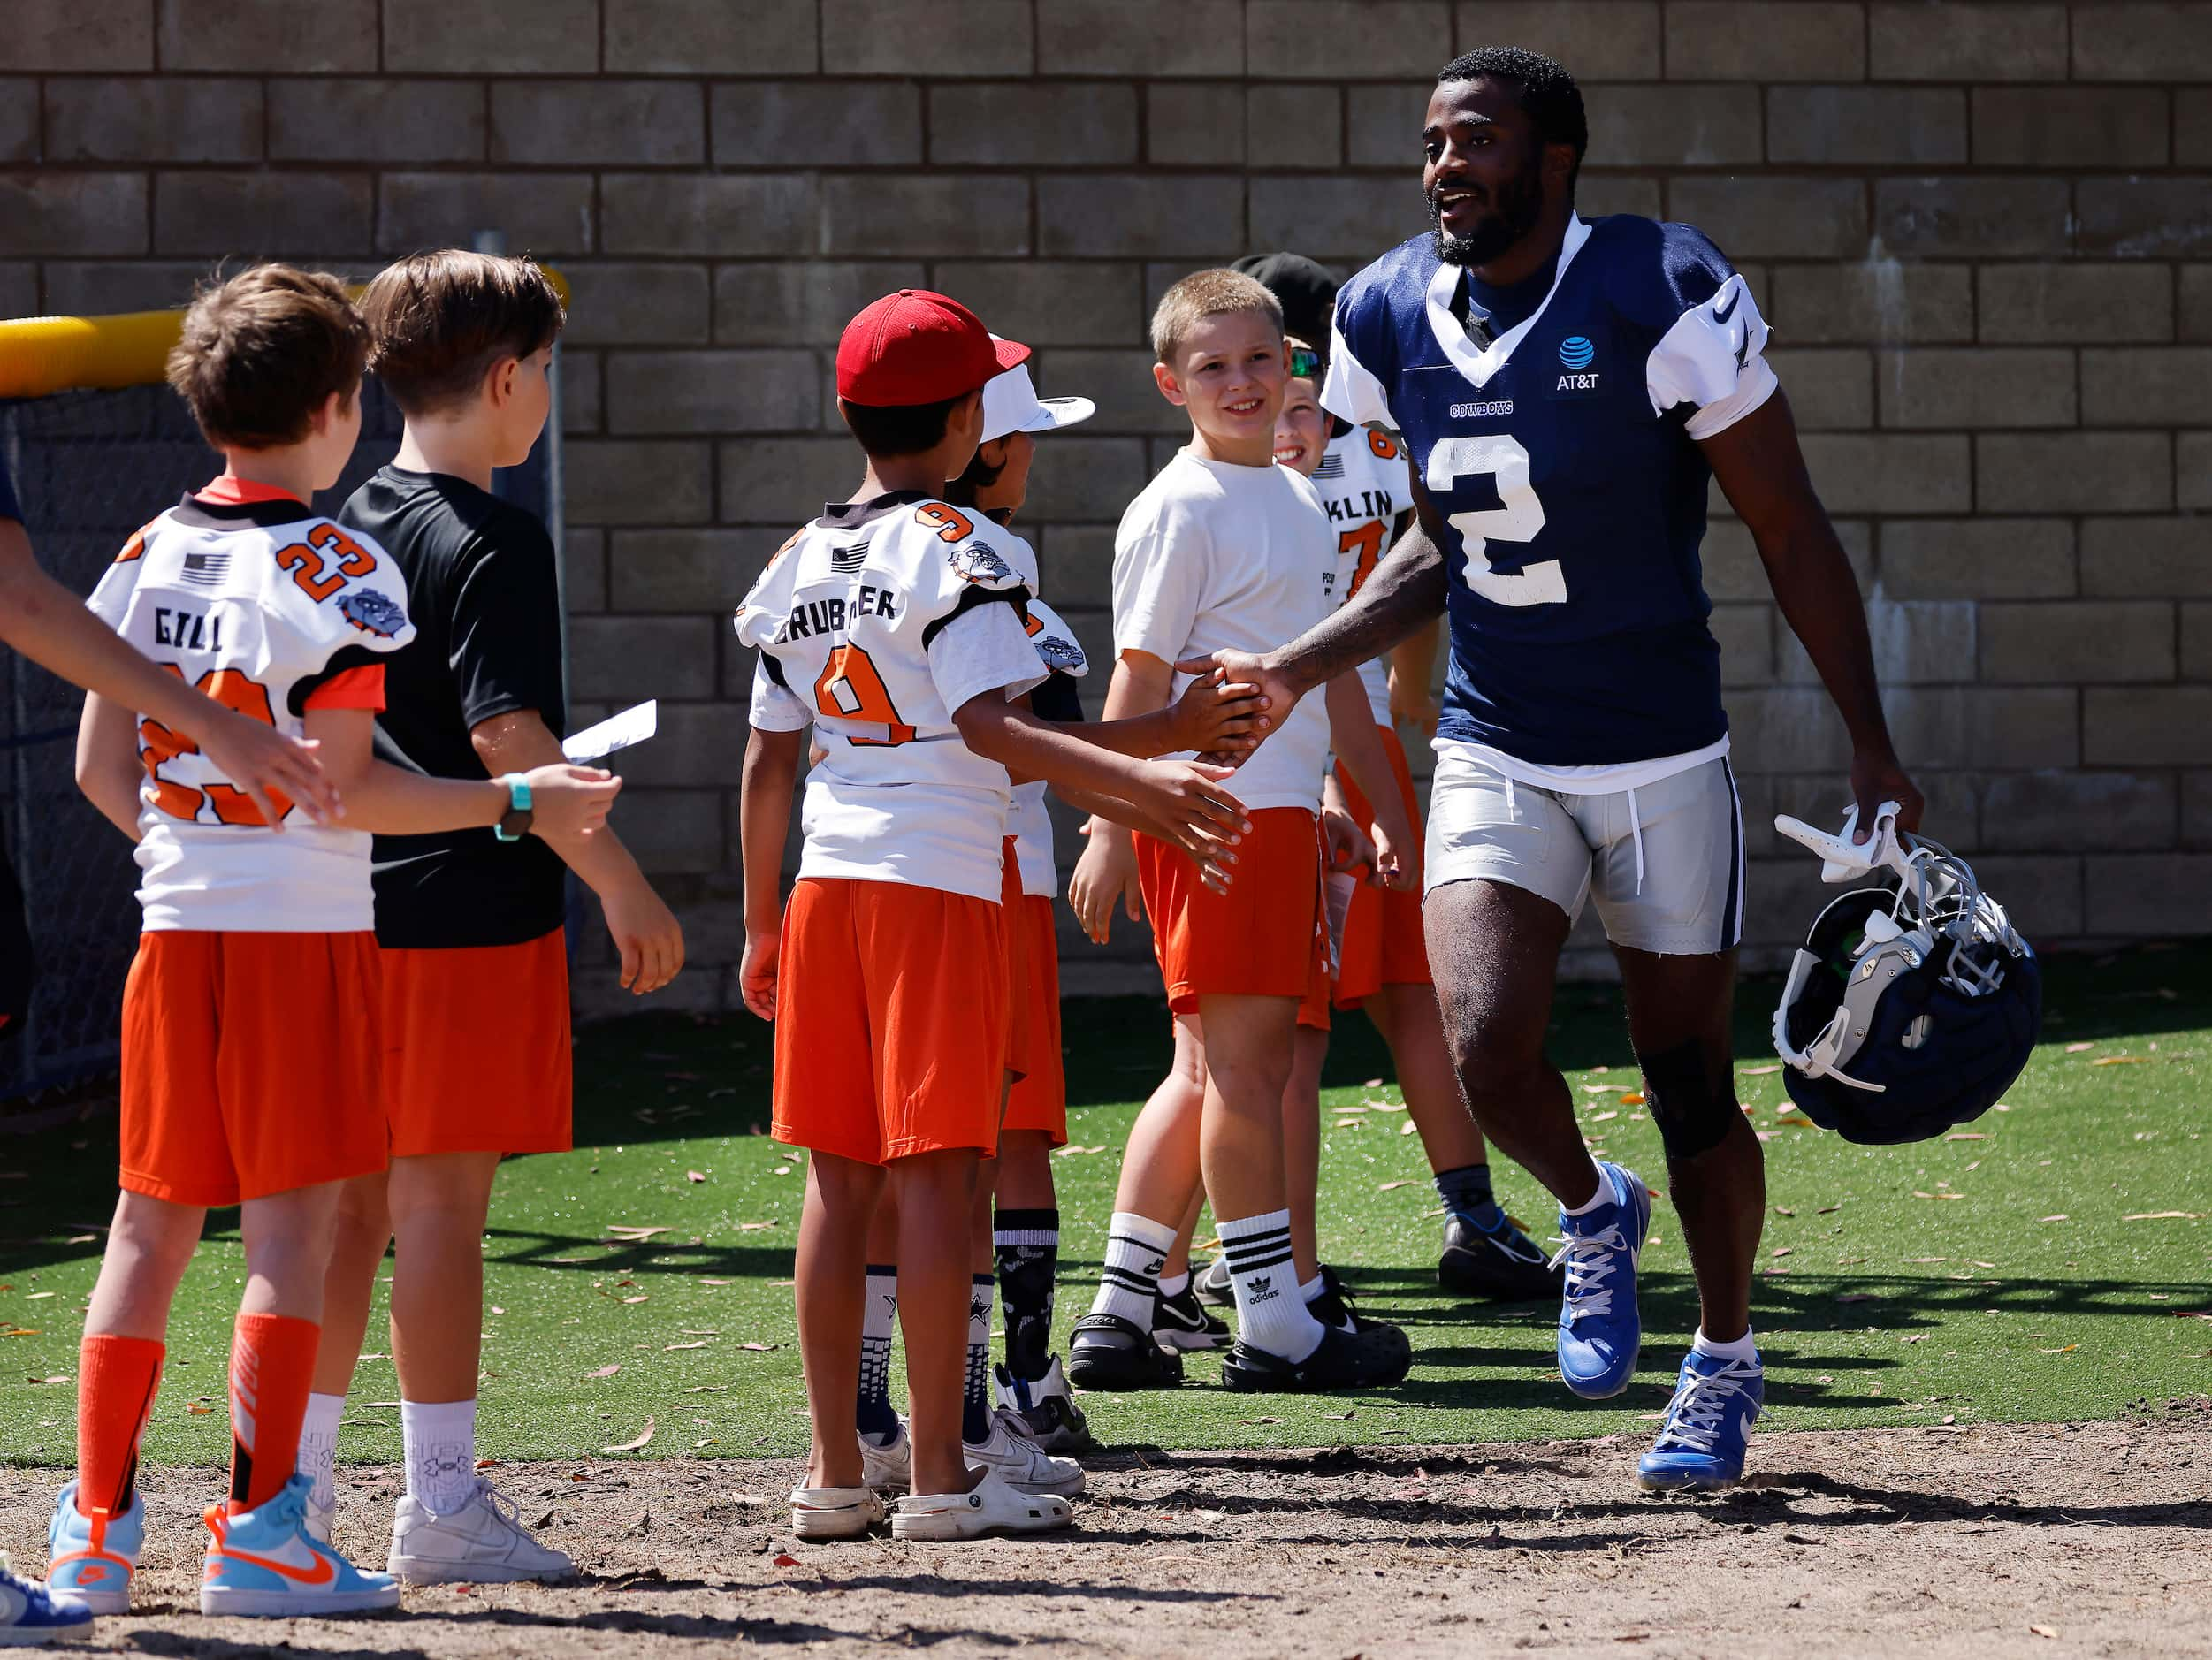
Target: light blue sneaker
[[1600, 1331], [265, 1563], [90, 1559], [1708, 1424], [31, 1613]]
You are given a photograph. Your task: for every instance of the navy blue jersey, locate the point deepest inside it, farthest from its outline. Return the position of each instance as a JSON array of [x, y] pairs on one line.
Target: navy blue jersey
[[1562, 457]]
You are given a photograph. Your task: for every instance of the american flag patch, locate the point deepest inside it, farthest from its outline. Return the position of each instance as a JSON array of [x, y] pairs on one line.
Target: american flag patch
[[1332, 467], [205, 570], [849, 559]]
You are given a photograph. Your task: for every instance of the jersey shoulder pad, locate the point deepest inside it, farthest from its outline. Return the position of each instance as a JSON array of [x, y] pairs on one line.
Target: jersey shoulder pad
[[1656, 271]]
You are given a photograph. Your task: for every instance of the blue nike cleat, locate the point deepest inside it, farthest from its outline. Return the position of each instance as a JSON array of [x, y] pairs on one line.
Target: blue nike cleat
[[31, 1613], [1708, 1422], [265, 1563], [90, 1559], [1600, 1331]]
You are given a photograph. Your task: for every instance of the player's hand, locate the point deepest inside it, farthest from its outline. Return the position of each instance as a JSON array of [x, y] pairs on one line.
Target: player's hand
[[1345, 843], [647, 934], [1397, 865], [1218, 716], [1106, 872], [1189, 796], [276, 772], [757, 971], [1245, 669], [568, 801], [1411, 705], [1877, 776]]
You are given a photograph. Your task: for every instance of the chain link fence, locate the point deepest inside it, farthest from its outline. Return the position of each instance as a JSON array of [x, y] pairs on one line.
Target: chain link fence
[[90, 468]]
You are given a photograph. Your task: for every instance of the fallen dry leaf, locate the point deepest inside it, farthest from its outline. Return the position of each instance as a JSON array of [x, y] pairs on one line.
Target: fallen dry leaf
[[1782, 1251], [760, 1348], [1387, 1186], [1917, 1194], [1597, 1089], [2075, 1048], [1759, 1071], [695, 1176], [2069, 1349], [198, 1409], [1914, 1336], [640, 1297], [1967, 1135], [670, 1348], [644, 1435], [630, 1234], [1407, 1128], [1858, 1297], [2164, 1216], [2121, 1059], [57, 1379], [604, 1371], [2062, 1217], [1634, 1098], [2044, 1631], [1610, 1112], [785, 1559]]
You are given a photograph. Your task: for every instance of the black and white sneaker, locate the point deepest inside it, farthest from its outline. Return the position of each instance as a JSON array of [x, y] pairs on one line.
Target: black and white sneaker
[[1180, 1323], [1374, 1356], [1214, 1286], [1335, 1305], [1501, 1263], [1047, 1412], [1106, 1352]]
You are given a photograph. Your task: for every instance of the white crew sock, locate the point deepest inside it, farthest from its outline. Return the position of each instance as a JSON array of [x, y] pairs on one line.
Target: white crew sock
[[1604, 1195], [1259, 1268], [440, 1442], [1175, 1284], [1136, 1250], [1743, 1349], [319, 1445]]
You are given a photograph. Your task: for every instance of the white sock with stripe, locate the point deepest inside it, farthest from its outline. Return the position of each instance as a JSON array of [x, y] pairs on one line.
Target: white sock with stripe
[[1136, 1250], [1270, 1314]]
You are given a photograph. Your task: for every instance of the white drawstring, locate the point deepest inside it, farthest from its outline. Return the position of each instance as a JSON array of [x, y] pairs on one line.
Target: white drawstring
[[1636, 830]]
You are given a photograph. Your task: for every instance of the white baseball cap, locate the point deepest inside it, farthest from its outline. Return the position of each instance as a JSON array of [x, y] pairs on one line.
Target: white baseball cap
[[1011, 404]]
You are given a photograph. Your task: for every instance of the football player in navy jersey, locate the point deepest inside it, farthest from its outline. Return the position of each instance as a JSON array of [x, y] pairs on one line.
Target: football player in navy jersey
[[1568, 388]]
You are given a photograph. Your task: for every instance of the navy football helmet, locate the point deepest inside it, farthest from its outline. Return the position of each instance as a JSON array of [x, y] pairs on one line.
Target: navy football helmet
[[1909, 1010]]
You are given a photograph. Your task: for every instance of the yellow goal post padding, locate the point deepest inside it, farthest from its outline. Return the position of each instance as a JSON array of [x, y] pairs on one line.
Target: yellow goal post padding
[[40, 355]]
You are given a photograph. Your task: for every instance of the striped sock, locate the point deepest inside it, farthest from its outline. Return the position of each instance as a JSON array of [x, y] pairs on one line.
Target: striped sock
[[1136, 1250], [1270, 1314], [872, 1414]]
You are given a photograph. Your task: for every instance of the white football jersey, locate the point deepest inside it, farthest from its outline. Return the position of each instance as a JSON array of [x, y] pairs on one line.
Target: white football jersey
[[874, 624], [1027, 821], [1361, 479], [258, 604]]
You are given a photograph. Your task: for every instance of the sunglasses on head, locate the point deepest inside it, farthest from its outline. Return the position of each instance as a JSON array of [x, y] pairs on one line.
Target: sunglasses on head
[[1305, 362]]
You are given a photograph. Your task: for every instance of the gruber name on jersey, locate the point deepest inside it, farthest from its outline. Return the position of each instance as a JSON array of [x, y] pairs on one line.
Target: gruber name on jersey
[[259, 605], [875, 624], [1562, 456]]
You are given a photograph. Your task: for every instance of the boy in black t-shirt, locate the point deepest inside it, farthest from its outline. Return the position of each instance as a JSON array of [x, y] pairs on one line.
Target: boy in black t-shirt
[[475, 1011]]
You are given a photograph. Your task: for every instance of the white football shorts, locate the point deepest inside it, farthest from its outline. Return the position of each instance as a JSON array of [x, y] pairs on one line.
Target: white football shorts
[[1663, 861]]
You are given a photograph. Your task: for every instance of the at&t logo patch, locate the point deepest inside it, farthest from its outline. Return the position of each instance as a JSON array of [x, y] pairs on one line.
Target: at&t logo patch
[[1577, 353]]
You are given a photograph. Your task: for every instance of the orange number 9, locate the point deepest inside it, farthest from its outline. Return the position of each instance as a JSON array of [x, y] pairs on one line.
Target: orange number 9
[[849, 688]]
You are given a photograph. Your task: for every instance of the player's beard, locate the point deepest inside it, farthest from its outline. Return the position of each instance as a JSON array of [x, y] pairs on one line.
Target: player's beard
[[1513, 215]]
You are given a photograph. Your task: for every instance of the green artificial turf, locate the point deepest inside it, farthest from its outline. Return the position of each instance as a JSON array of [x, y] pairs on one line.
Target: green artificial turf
[[1999, 1276]]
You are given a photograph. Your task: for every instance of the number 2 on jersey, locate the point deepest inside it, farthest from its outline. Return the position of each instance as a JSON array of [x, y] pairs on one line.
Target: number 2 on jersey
[[158, 746], [850, 689], [1518, 517]]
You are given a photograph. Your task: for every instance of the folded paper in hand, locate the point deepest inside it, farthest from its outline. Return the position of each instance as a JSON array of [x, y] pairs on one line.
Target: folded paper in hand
[[634, 725]]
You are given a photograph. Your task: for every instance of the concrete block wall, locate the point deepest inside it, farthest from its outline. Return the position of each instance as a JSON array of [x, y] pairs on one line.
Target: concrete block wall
[[1982, 230]]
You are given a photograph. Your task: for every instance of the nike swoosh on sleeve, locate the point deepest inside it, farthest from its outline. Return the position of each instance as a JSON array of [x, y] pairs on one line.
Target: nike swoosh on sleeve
[[1723, 314]]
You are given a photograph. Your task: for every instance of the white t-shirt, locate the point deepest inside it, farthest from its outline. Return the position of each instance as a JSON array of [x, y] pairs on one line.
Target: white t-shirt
[[259, 605], [1211, 557], [875, 623], [1362, 481], [1027, 821]]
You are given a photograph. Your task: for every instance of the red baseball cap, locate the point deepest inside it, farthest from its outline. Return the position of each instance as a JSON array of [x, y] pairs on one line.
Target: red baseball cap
[[915, 347]]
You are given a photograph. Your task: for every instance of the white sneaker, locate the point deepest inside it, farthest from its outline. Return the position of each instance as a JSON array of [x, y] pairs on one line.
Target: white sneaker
[[482, 1543], [1021, 1463], [1044, 1408], [834, 1513], [992, 1507], [320, 1518], [890, 1468]]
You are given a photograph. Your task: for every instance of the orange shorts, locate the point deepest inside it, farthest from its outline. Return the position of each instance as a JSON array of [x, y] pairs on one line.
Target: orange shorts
[[1258, 940], [1383, 941], [476, 1048], [1021, 1012], [251, 1064], [890, 1028], [1039, 1101]]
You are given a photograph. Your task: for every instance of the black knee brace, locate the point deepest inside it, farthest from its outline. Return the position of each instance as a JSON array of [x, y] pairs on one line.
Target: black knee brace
[[1692, 1110]]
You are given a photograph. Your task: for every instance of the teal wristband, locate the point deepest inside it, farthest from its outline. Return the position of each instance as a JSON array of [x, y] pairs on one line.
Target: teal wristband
[[513, 824]]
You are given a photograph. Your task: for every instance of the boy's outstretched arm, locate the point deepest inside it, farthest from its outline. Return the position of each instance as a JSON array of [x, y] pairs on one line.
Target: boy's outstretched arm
[[644, 929], [1359, 745], [763, 823], [568, 801], [1106, 872], [51, 626]]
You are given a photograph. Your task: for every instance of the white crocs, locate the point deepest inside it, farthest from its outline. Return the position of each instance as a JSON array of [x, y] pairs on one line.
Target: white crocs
[[990, 1507], [834, 1512]]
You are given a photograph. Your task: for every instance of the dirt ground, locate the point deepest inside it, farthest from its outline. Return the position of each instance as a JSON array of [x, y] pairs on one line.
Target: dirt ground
[[2091, 1539]]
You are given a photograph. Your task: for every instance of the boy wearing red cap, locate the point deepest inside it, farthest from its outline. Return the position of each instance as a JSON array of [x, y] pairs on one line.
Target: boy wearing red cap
[[893, 626]]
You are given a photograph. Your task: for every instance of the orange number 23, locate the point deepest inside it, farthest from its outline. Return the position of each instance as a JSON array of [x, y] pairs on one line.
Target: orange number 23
[[158, 745]]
